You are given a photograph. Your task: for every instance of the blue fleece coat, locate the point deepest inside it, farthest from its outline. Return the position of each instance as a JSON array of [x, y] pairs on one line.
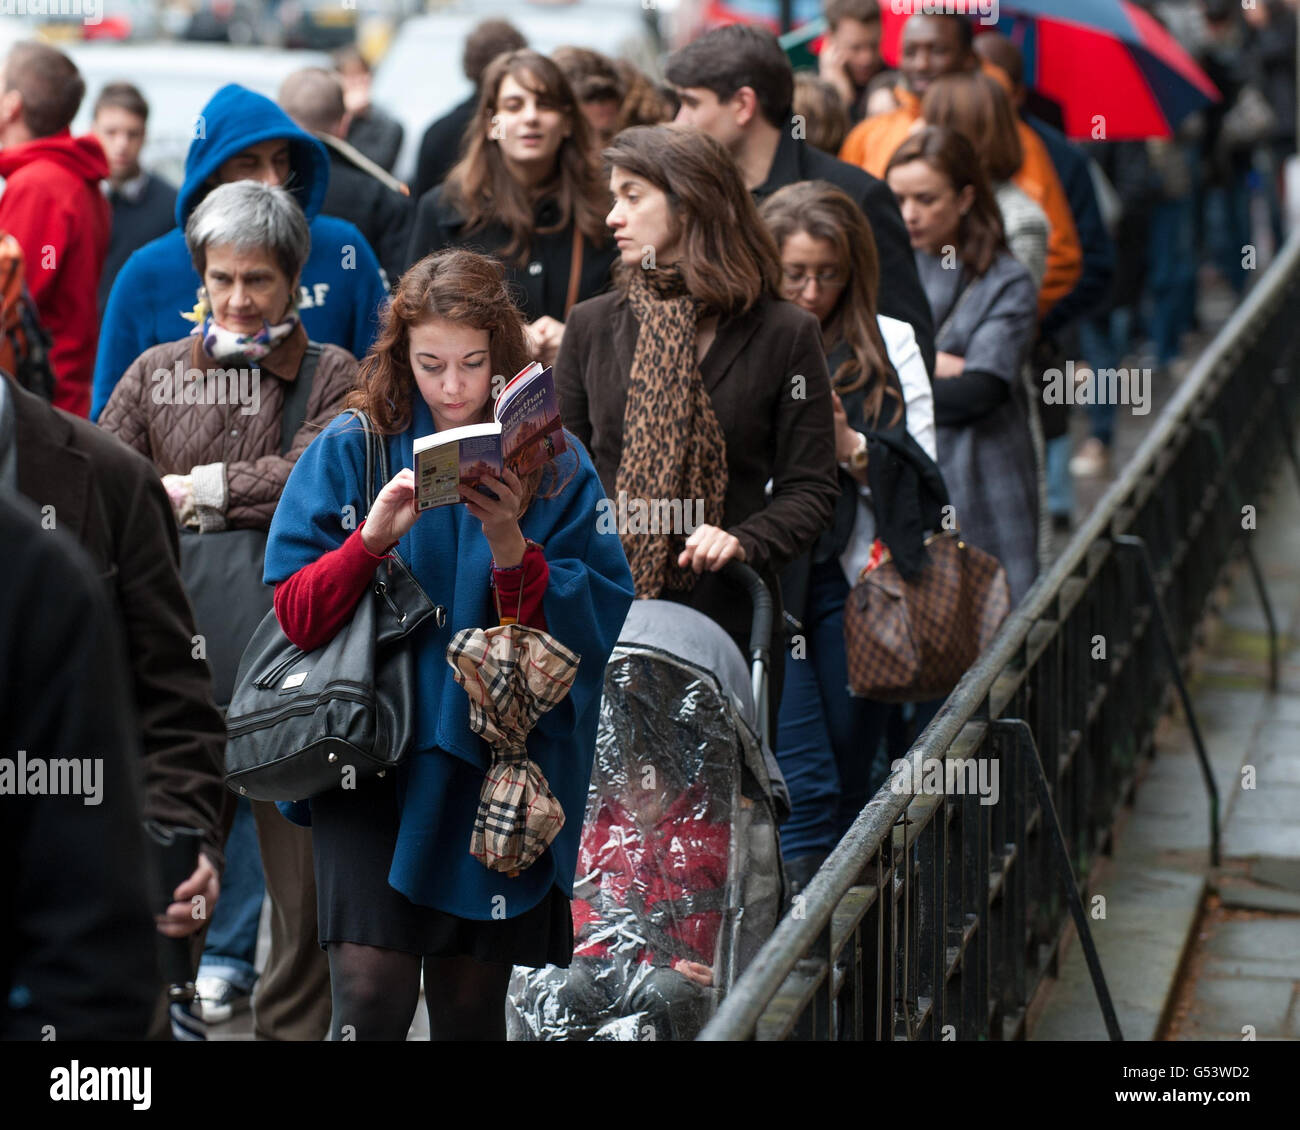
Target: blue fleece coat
[[587, 598], [342, 286]]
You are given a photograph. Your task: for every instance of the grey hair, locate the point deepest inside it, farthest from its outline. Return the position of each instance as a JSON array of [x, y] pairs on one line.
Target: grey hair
[[250, 216]]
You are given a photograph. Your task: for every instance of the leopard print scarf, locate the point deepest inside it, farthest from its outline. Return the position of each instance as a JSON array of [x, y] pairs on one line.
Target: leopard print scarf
[[674, 453]]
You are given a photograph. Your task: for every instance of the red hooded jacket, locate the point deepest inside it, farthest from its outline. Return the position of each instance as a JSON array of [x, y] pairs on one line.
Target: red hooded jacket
[[53, 206]]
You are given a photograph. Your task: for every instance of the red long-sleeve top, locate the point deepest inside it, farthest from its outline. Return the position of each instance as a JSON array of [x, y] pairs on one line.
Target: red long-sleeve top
[[317, 601]]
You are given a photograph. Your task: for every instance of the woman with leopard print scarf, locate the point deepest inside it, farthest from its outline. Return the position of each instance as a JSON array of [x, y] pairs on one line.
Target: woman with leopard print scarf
[[695, 387]]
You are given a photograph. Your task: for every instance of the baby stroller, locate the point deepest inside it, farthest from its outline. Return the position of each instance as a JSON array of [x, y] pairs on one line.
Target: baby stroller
[[679, 874]]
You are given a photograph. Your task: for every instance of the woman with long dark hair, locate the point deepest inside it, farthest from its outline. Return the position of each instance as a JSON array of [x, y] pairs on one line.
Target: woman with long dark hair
[[694, 384], [985, 304], [399, 892], [827, 739], [528, 190]]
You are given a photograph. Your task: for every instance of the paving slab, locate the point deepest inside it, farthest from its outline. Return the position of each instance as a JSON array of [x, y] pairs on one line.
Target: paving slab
[[1150, 914], [1229, 1004]]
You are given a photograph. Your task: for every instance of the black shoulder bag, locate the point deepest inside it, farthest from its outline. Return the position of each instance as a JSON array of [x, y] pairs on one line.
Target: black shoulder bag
[[299, 720]]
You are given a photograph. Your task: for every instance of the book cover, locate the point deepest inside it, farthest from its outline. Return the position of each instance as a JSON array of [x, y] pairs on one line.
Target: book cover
[[525, 433]]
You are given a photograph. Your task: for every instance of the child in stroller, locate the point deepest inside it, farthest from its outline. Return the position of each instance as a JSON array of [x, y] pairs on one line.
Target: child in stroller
[[678, 877], [647, 911]]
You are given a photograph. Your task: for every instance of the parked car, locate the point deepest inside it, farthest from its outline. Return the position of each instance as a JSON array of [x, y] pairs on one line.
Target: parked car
[[420, 77], [177, 79]]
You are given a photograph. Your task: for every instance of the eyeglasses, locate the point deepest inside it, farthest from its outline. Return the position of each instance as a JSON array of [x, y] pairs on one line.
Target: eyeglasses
[[796, 280]]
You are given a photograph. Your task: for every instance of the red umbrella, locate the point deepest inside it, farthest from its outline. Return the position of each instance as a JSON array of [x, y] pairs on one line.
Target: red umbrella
[[1115, 72]]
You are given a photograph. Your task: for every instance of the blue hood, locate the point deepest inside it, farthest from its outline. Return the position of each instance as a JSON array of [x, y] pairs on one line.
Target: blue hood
[[235, 119]]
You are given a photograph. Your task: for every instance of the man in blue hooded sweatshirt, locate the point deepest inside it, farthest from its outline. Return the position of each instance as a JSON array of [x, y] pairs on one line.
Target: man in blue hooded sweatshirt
[[242, 136]]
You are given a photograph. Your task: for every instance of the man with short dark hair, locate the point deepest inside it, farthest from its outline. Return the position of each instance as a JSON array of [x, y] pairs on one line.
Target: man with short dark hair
[[359, 190], [53, 206], [937, 44], [142, 203], [933, 44], [850, 57], [440, 146], [736, 84]]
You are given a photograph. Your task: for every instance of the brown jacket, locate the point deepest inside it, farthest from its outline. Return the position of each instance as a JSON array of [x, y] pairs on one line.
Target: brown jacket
[[113, 503], [233, 454], [776, 426]]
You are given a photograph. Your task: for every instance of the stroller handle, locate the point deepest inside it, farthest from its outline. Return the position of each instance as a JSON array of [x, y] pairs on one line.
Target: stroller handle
[[760, 637], [760, 628]]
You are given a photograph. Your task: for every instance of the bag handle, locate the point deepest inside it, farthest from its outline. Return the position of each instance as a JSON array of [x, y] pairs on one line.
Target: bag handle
[[293, 413], [376, 457]]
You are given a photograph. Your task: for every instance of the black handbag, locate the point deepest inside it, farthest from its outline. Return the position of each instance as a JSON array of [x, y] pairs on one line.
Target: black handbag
[[222, 569], [299, 721]]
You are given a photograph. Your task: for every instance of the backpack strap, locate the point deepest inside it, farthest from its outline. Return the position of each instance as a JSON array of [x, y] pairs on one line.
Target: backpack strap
[[294, 412]]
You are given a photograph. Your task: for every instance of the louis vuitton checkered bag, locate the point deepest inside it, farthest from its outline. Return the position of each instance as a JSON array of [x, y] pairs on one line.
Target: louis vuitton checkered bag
[[910, 641]]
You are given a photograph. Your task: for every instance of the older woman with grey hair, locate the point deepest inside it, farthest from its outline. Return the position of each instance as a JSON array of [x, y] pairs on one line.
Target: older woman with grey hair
[[224, 414], [209, 409]]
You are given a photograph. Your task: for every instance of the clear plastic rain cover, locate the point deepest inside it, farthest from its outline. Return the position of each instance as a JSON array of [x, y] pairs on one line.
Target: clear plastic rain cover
[[678, 878]]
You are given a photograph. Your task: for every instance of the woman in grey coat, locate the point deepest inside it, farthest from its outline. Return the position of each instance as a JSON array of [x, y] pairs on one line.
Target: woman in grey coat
[[985, 306]]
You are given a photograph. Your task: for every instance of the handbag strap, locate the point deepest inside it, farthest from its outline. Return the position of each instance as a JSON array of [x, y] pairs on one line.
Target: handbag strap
[[294, 411], [962, 295], [575, 269], [376, 457]]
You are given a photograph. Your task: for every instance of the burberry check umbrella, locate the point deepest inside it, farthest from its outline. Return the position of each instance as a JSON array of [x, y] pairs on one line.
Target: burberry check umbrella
[[513, 675]]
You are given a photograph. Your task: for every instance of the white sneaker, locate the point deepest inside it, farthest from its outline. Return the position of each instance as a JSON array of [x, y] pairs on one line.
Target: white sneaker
[[1092, 460], [219, 1000]]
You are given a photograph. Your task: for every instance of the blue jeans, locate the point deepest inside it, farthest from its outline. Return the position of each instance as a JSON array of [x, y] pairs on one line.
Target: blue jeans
[[1060, 487], [1171, 272], [230, 948], [1105, 341], [826, 739]]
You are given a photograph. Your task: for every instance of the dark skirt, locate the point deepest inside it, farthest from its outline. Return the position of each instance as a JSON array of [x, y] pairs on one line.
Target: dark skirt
[[354, 832]]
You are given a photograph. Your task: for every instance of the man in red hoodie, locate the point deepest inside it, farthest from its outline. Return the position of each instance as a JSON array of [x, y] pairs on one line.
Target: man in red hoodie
[[53, 206]]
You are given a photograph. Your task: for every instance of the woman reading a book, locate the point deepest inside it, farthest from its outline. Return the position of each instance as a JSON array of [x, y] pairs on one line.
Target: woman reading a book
[[528, 190], [398, 891], [695, 386]]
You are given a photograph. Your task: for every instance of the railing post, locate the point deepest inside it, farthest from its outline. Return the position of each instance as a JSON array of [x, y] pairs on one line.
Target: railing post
[[1211, 429], [1138, 548], [1025, 746]]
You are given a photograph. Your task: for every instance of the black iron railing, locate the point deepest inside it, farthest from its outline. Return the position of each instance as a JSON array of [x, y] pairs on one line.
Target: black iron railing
[[937, 916]]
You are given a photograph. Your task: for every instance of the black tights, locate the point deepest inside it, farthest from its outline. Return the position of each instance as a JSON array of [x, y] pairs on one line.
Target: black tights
[[374, 993]]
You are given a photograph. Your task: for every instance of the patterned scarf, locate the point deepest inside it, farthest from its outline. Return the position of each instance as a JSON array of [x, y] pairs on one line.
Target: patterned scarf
[[674, 452], [222, 344]]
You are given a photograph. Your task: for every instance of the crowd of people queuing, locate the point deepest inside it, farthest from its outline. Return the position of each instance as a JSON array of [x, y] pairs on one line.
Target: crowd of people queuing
[[797, 299]]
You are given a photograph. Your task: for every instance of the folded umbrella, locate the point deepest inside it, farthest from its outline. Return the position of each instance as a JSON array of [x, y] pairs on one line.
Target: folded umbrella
[[512, 675]]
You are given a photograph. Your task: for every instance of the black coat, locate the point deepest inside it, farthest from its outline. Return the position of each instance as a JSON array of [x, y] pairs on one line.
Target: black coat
[[539, 286], [382, 215], [78, 951], [440, 146], [378, 136], [112, 501], [908, 496], [901, 293], [135, 223]]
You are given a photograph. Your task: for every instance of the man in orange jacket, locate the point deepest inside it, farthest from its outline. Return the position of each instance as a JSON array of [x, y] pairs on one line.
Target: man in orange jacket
[[940, 44]]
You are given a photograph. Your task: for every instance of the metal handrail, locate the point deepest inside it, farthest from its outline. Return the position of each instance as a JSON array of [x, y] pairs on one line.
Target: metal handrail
[[798, 934]]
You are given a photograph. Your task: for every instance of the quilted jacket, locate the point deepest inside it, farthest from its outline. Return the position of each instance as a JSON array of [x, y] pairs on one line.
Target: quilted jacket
[[232, 449]]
